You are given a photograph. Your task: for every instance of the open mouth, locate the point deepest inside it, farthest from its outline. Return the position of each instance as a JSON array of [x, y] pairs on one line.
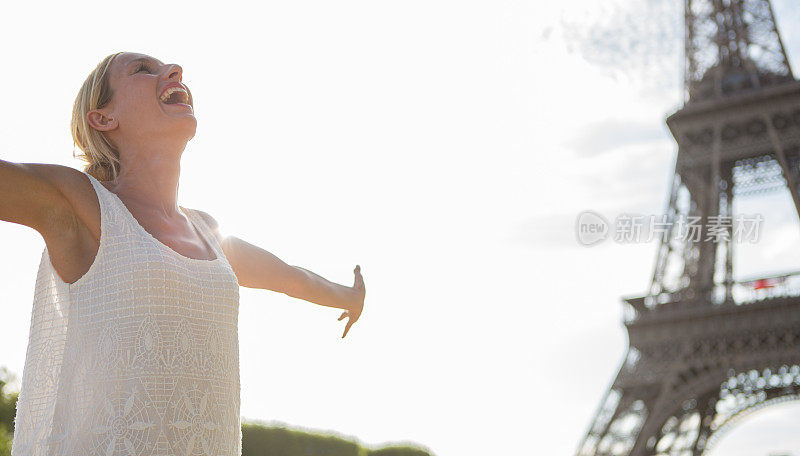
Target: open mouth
[[175, 95]]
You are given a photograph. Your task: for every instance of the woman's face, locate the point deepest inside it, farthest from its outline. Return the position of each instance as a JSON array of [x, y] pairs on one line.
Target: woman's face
[[149, 101]]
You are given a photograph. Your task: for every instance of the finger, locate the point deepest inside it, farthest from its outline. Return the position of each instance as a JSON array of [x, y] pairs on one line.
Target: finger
[[344, 314], [347, 328]]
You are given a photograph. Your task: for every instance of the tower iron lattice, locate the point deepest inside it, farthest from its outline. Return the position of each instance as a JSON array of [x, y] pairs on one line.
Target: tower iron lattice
[[704, 349]]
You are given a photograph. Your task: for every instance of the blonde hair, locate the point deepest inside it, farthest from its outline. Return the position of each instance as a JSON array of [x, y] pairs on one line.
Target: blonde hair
[[102, 159]]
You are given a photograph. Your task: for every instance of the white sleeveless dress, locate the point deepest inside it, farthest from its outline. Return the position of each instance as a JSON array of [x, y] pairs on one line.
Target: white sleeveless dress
[[140, 356]]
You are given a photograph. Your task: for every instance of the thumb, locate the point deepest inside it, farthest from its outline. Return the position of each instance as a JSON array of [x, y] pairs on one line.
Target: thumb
[[358, 280]]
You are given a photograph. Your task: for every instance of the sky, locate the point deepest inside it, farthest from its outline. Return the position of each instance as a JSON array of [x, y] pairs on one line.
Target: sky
[[445, 146]]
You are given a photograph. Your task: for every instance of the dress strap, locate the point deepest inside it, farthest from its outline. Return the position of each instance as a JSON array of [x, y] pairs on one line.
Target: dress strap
[[205, 231], [103, 198]]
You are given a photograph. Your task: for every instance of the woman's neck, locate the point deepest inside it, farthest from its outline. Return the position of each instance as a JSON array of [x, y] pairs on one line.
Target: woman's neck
[[150, 181]]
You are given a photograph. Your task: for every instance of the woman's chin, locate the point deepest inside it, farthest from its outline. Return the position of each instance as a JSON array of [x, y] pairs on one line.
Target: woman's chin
[[187, 118], [191, 128], [180, 126]]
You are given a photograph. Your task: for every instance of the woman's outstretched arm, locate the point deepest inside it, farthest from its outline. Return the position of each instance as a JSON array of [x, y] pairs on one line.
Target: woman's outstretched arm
[[31, 195], [258, 268]]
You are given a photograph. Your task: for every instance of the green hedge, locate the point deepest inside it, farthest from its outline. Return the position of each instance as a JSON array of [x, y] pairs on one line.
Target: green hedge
[[258, 440], [263, 440], [398, 451], [8, 407]]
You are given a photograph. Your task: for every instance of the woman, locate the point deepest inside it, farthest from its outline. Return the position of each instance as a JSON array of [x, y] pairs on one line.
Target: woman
[[133, 346]]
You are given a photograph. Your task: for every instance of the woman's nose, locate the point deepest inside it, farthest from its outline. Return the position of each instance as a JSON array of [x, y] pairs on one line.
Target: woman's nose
[[175, 72]]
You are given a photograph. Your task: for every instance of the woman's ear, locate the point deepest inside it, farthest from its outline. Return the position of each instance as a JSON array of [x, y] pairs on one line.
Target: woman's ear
[[99, 121]]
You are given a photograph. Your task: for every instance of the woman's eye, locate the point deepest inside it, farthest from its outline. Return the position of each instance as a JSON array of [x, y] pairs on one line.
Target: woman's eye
[[143, 67]]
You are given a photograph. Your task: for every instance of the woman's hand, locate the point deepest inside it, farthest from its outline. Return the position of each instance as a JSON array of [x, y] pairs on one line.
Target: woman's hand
[[357, 305]]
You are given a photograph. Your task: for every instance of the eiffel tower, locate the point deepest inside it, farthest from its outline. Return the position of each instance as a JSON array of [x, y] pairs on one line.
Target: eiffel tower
[[706, 350]]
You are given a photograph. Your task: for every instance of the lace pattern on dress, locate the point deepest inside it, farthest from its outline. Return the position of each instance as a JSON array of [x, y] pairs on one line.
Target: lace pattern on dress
[[140, 356]]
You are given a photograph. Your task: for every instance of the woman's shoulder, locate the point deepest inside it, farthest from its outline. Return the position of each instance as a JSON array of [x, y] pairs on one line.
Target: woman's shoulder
[[210, 221], [76, 192]]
